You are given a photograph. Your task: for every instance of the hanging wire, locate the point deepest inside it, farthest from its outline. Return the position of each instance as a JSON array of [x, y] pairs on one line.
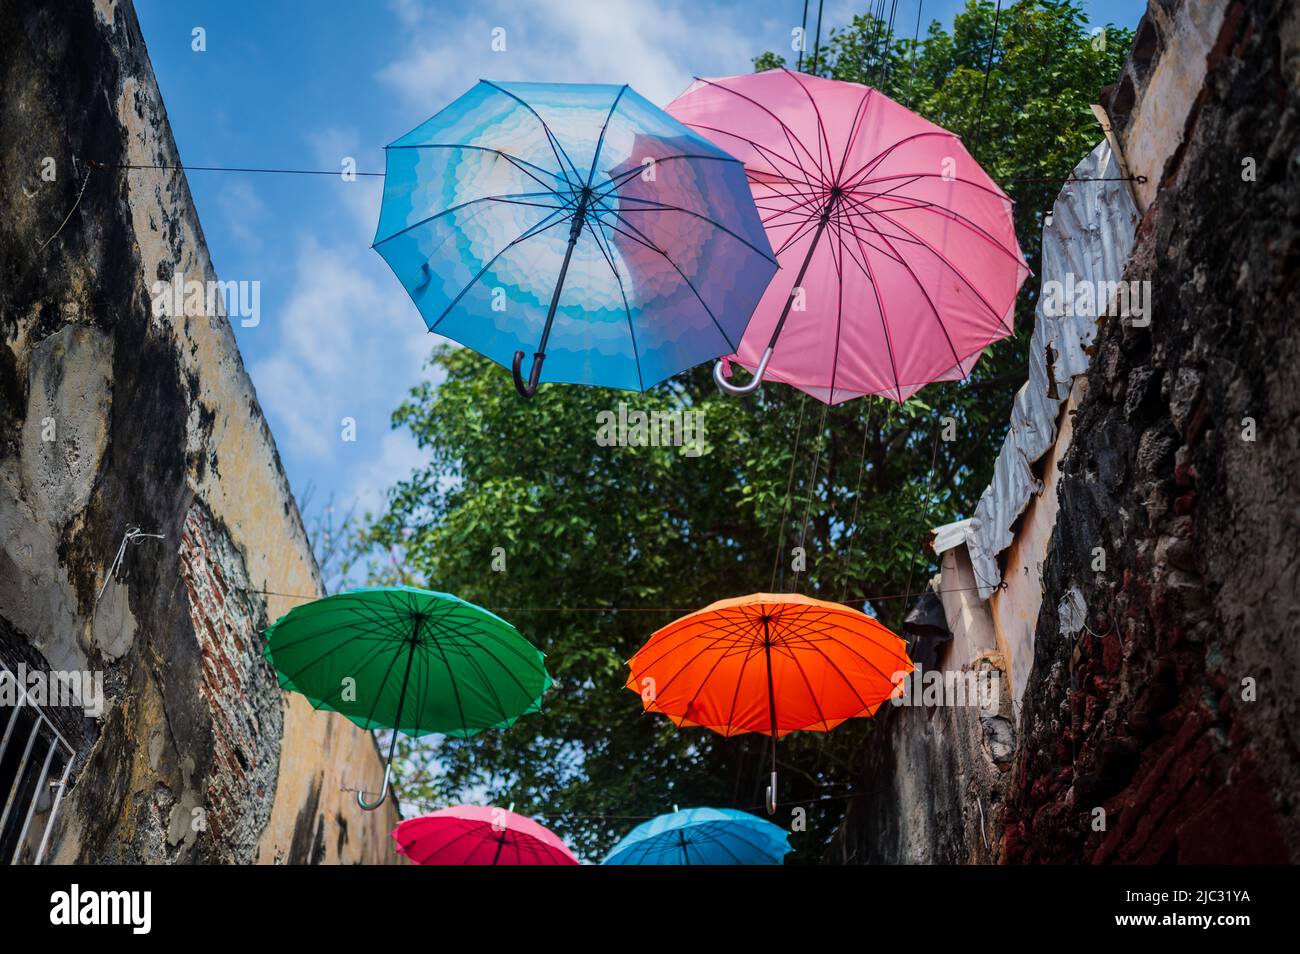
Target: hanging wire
[[803, 36], [916, 41], [164, 167], [812, 487], [857, 498], [778, 563], [817, 43], [988, 67], [929, 480], [888, 44]]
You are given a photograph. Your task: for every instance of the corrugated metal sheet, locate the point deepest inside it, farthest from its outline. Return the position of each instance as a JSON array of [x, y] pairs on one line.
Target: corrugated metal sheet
[[1090, 236]]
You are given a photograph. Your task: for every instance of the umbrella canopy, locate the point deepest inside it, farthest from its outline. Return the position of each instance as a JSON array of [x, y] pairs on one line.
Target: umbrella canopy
[[769, 662], [479, 835], [410, 660], [702, 836], [899, 255], [579, 224]]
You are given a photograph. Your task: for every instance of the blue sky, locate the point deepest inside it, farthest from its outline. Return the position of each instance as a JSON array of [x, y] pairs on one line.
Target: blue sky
[[303, 85]]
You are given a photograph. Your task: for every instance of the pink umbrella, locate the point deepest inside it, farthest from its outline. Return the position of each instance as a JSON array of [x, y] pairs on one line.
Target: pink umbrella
[[899, 259], [479, 835]]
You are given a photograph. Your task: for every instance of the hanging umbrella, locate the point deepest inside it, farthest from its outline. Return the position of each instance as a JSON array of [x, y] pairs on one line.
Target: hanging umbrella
[[479, 835], [702, 836], [769, 662], [409, 660], [899, 256], [510, 218]]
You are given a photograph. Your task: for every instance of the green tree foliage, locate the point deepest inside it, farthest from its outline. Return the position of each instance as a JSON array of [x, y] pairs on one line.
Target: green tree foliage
[[602, 545]]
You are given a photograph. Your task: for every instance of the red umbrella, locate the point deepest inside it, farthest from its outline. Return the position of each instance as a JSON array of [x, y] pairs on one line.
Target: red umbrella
[[479, 835]]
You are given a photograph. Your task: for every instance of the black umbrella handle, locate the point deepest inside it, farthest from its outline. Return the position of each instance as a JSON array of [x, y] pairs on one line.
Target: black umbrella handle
[[575, 229], [529, 389]]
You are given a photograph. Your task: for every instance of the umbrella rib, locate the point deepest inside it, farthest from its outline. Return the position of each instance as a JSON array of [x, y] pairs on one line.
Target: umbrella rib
[[853, 131], [821, 126], [532, 232], [507, 198], [707, 676], [789, 133], [652, 205], [923, 205], [926, 294], [556, 147], [468, 635], [884, 321], [875, 160], [640, 379], [639, 237], [512, 159], [812, 644], [712, 644], [610, 185], [600, 142], [765, 152], [953, 268]]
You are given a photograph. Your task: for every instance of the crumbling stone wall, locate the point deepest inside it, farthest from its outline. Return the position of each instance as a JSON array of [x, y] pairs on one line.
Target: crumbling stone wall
[[113, 417], [1173, 709]]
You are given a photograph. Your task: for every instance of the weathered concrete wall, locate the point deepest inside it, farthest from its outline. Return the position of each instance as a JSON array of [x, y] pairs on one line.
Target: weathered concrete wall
[[1154, 697], [111, 417], [1174, 709]]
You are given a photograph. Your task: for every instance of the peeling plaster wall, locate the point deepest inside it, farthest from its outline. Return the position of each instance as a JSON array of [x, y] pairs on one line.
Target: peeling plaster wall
[[1162, 688], [112, 417], [1166, 688]]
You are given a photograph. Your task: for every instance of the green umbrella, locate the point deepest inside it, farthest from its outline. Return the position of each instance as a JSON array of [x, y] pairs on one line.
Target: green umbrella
[[410, 660]]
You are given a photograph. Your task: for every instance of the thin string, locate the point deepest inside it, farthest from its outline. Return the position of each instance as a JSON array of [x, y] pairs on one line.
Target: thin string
[[857, 498], [334, 172], [778, 563], [812, 487], [134, 536], [629, 609], [803, 36], [916, 40], [817, 45], [82, 192], [988, 67], [273, 171], [911, 568]]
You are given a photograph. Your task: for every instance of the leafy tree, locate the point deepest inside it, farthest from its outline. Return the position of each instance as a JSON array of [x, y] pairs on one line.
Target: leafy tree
[[605, 544]]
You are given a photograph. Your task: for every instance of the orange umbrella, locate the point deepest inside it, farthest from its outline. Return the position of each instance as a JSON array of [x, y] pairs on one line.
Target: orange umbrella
[[769, 662]]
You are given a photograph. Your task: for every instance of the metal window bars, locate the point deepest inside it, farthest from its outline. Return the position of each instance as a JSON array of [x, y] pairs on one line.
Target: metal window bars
[[32, 754]]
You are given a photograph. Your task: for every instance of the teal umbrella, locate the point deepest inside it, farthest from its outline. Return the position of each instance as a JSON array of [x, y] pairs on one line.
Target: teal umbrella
[[702, 836], [409, 660]]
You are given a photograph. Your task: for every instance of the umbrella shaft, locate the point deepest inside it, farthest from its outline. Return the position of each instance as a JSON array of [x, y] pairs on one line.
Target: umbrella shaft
[[798, 281], [574, 231]]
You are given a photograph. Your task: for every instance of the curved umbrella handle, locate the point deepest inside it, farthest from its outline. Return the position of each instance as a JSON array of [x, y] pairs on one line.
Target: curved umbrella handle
[[740, 390], [771, 796], [383, 792], [529, 389]]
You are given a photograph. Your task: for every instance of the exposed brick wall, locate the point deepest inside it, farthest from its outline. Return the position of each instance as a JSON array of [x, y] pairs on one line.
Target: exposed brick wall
[[238, 686], [1147, 713]]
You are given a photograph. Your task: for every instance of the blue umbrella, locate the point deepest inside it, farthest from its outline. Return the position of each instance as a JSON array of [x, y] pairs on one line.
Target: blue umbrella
[[578, 223], [702, 836]]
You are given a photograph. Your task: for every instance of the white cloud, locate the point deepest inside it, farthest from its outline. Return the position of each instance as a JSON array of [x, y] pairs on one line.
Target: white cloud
[[340, 335], [656, 47]]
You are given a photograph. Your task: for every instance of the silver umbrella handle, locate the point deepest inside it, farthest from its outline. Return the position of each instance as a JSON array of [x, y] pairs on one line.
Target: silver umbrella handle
[[740, 390]]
